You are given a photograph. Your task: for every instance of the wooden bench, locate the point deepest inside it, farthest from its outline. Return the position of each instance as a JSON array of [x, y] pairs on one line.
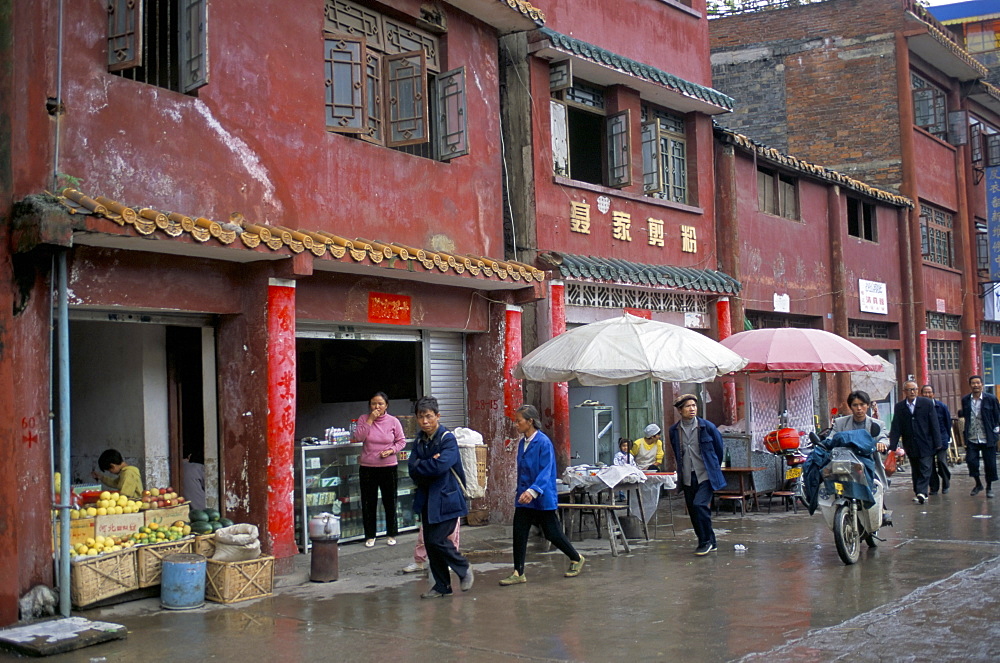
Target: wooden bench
[[611, 520]]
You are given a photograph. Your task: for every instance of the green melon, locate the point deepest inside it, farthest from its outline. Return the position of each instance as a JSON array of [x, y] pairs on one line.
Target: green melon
[[201, 527], [216, 525], [198, 516], [226, 522], [212, 514]]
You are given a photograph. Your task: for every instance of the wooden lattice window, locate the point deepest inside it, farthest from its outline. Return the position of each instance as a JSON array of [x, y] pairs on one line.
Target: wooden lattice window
[[159, 42], [400, 100], [664, 155], [930, 109], [936, 241]]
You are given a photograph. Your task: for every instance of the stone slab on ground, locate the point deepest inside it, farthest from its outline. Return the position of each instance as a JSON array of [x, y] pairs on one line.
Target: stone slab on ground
[[56, 636]]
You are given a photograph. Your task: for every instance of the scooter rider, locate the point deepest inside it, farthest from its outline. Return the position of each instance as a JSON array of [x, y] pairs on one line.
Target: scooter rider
[[859, 402]]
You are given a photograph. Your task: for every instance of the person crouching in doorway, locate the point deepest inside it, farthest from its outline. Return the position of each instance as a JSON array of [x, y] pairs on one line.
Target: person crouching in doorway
[[698, 448]]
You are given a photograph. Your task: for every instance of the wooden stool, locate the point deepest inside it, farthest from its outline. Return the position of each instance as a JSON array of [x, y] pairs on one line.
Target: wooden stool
[[786, 497], [735, 499]]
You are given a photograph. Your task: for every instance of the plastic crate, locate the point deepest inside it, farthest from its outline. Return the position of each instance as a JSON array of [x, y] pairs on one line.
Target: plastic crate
[[149, 559], [229, 582], [97, 578]]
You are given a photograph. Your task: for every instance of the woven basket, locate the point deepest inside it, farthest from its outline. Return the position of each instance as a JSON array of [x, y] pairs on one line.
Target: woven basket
[[204, 544], [103, 576], [229, 582], [481, 456], [149, 559]]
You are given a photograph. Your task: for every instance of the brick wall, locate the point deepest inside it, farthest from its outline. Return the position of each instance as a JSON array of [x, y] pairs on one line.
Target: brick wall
[[822, 87]]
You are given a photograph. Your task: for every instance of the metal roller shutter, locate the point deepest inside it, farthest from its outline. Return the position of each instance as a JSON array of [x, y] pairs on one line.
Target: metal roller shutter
[[444, 371]]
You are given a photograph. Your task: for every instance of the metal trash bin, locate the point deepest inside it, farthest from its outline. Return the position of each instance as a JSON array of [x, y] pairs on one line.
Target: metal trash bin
[[324, 535]]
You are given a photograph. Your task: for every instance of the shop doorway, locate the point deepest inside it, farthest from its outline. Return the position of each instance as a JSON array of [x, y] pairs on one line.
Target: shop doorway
[[145, 385]]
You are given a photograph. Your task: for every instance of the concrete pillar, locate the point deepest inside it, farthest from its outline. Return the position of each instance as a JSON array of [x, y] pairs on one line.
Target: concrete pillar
[[724, 320]]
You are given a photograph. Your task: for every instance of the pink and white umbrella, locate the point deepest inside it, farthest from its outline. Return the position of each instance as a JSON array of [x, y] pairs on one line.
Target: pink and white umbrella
[[793, 349]]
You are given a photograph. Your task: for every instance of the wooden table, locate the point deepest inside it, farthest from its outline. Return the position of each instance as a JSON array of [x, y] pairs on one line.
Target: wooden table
[[744, 476]]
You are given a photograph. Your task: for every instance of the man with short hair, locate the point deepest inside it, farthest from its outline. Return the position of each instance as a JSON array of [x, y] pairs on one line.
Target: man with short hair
[[940, 474], [915, 423], [982, 428], [698, 449], [648, 450]]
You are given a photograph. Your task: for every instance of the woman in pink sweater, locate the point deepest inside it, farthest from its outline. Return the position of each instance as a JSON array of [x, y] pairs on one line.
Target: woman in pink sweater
[[382, 438]]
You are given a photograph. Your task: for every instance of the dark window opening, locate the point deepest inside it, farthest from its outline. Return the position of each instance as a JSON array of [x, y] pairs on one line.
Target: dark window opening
[[861, 220], [585, 140]]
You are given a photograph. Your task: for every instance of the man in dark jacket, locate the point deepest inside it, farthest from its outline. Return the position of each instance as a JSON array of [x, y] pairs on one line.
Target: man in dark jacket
[[698, 449], [982, 428], [940, 474], [436, 470], [916, 424]]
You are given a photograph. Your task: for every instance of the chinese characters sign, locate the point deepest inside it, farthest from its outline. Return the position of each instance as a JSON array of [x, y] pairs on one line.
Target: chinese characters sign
[[622, 227], [388, 309], [993, 219], [873, 297]]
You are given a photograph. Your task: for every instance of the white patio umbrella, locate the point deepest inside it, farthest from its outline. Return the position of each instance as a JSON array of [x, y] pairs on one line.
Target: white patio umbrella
[[877, 384], [628, 349]]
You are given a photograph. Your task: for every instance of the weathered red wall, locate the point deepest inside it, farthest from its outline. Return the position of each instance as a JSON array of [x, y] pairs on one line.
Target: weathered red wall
[[936, 178], [253, 141], [677, 44], [344, 298]]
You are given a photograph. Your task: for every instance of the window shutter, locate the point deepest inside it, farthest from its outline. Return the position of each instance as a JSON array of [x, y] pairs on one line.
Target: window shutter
[[560, 75], [976, 144], [406, 101], [559, 128], [993, 150], [619, 150], [124, 34], [452, 127], [193, 46], [346, 91], [652, 173], [376, 117]]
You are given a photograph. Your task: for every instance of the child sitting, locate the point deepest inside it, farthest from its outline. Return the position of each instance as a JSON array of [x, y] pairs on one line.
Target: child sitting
[[624, 456]]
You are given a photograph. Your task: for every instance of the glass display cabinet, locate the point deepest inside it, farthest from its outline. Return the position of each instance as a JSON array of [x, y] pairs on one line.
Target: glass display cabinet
[[328, 475]]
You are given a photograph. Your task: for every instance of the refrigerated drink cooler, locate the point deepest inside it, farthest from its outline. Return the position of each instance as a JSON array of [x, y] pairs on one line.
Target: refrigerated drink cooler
[[592, 435]]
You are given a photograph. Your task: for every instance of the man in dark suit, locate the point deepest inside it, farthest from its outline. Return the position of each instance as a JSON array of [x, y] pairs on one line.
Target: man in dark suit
[[982, 428], [940, 474], [915, 422]]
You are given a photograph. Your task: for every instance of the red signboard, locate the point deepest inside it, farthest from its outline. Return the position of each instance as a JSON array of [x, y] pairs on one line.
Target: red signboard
[[640, 312], [388, 309]]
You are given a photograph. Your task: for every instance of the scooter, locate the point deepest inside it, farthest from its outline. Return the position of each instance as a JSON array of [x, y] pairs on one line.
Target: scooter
[[851, 493]]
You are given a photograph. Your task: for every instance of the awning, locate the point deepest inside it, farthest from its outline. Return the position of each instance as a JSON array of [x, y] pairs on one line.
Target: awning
[[611, 270], [107, 223], [941, 50], [603, 67], [505, 15]]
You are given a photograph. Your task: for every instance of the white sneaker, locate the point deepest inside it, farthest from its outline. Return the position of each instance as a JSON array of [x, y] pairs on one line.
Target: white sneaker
[[414, 567]]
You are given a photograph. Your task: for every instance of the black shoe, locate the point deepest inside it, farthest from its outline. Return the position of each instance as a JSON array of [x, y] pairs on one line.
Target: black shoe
[[944, 491], [989, 494], [975, 491], [714, 548], [704, 549], [920, 498], [933, 492]]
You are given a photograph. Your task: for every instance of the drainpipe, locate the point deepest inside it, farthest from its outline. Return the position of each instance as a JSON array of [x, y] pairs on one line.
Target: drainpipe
[[62, 340]]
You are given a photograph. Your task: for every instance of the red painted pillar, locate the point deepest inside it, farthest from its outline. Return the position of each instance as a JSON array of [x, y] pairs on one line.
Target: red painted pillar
[[281, 416], [560, 390], [512, 395], [924, 374], [725, 322], [974, 354]]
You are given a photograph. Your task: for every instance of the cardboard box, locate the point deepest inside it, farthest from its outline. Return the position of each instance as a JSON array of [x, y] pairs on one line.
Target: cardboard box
[[169, 515], [119, 525], [79, 531]]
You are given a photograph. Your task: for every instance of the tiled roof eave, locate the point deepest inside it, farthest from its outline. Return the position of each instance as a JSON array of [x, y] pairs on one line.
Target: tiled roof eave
[[595, 269], [576, 48], [241, 234], [776, 157]]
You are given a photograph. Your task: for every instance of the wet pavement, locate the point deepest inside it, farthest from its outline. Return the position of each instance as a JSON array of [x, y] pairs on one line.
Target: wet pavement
[[930, 591]]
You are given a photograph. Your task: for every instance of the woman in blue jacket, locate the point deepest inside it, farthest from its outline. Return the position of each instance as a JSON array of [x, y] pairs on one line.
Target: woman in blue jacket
[[536, 495]]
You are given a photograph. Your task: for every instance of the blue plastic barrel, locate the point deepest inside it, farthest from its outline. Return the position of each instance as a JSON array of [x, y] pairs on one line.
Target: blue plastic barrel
[[182, 581]]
